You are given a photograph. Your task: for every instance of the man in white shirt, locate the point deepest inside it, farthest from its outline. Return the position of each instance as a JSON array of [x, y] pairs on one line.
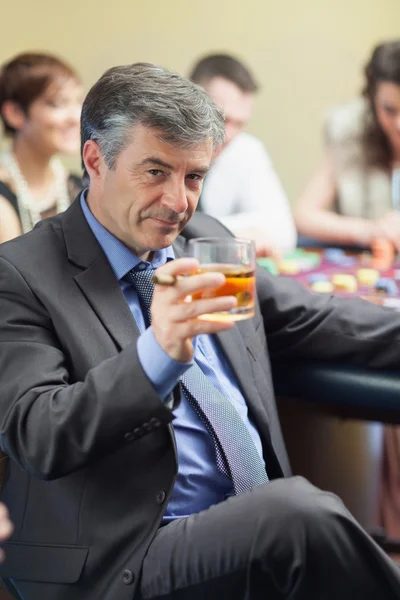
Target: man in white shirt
[[242, 189]]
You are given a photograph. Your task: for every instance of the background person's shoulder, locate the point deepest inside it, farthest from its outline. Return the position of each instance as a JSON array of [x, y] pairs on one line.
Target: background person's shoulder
[[245, 143], [345, 121], [35, 247]]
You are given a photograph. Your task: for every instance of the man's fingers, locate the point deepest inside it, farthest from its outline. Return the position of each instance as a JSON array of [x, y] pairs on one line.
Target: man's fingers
[[192, 328], [192, 310], [187, 285], [180, 266], [195, 283], [178, 279]]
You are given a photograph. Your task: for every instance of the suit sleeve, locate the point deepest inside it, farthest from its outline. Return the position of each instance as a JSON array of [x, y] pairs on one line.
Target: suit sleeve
[[302, 324], [48, 425]]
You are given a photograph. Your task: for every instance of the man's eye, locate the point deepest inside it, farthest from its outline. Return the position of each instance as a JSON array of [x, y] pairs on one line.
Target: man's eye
[[155, 172], [195, 177]]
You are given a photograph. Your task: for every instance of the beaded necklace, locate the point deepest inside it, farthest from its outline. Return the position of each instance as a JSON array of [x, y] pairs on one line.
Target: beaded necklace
[[31, 210]]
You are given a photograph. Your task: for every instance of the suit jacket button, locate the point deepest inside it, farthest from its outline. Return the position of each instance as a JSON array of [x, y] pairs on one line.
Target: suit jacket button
[[127, 576], [160, 497], [129, 437]]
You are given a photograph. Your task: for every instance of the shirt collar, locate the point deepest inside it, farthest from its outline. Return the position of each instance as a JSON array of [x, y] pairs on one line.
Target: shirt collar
[[121, 259]]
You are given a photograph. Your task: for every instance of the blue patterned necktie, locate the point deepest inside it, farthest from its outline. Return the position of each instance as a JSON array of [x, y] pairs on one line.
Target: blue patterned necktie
[[235, 451]]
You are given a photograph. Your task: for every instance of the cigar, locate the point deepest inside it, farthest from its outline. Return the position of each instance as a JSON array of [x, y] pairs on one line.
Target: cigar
[[165, 279]]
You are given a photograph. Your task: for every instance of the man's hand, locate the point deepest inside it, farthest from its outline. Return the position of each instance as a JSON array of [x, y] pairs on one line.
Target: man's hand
[[174, 321]]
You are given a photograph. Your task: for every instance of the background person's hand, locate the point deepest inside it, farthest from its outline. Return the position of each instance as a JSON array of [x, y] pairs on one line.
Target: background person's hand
[[264, 247], [174, 321], [265, 250], [388, 227], [6, 527]]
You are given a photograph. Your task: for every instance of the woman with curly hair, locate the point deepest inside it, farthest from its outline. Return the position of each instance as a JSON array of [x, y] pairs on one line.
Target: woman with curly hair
[[353, 197], [40, 104]]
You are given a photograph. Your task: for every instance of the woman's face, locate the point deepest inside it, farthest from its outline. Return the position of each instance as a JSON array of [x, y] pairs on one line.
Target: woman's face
[[387, 107], [52, 120]]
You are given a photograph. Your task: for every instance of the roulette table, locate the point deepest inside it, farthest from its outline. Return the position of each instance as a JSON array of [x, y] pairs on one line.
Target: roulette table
[[348, 274], [332, 414]]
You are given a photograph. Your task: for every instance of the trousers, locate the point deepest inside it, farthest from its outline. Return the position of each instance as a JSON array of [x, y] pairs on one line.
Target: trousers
[[283, 539]]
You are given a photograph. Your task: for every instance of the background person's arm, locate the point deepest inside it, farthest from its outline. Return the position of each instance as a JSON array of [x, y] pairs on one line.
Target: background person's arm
[[6, 527], [315, 218], [10, 226]]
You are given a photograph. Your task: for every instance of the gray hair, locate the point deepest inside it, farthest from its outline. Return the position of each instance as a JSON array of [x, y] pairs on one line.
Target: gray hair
[[152, 96]]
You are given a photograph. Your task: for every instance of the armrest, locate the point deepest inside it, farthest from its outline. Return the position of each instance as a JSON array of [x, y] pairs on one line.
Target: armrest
[[343, 390]]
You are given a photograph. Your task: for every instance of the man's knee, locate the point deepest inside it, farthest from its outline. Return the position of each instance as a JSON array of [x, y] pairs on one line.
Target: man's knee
[[293, 521], [296, 503]]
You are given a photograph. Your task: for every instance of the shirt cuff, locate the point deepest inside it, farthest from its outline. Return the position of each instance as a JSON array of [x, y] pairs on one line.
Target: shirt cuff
[[162, 370]]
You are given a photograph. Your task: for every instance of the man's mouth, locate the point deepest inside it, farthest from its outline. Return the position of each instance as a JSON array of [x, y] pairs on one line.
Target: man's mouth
[[166, 222]]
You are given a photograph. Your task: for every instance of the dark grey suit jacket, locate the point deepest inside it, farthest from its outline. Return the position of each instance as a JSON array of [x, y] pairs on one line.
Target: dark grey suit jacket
[[91, 445]]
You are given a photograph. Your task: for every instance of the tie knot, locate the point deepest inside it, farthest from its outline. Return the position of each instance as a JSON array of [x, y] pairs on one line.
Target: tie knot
[[140, 277]]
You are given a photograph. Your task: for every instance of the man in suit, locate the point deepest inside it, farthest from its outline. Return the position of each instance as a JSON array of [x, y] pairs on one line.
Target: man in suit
[[145, 454]]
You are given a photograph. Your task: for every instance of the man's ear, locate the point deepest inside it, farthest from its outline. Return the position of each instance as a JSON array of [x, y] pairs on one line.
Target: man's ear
[[13, 114], [93, 160]]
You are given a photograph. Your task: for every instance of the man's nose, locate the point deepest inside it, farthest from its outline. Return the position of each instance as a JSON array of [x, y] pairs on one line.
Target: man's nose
[[176, 198]]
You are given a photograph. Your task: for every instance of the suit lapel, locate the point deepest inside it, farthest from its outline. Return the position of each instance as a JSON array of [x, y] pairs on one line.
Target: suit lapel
[[96, 279], [101, 288]]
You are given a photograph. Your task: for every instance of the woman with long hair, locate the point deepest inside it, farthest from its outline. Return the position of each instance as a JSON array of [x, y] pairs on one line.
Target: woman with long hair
[[40, 105], [353, 196]]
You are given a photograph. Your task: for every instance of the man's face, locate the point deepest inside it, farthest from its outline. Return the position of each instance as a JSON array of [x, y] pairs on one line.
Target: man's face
[[152, 192], [236, 105]]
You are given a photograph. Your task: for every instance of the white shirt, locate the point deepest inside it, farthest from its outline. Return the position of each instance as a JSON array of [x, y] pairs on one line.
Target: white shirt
[[243, 191]]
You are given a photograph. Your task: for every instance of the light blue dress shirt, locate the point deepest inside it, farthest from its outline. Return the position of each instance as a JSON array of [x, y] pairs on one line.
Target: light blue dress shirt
[[199, 483]]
